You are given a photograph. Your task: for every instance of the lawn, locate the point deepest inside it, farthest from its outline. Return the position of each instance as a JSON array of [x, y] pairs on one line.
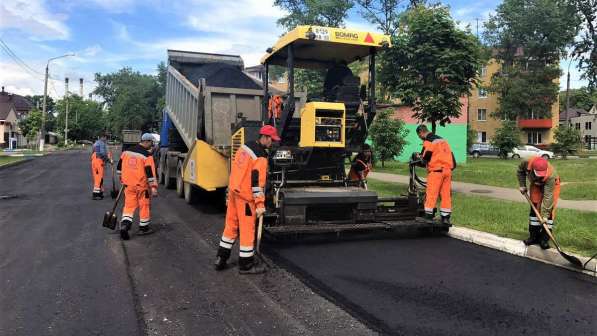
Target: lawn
[[575, 230], [579, 176], [8, 159]]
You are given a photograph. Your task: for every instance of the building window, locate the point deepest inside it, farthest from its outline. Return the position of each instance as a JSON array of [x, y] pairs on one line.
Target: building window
[[577, 126], [534, 138], [482, 114], [482, 93], [482, 137], [588, 125]]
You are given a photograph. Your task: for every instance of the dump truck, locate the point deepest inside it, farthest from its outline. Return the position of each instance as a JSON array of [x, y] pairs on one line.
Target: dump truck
[[207, 95], [308, 190]]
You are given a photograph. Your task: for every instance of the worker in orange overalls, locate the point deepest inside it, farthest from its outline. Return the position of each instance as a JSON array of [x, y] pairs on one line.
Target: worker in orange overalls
[[439, 160], [137, 174], [545, 191], [99, 157], [274, 107], [361, 166], [246, 201]]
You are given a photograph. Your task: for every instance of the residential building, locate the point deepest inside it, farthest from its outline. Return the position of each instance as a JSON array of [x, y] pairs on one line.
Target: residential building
[[483, 105], [587, 125], [13, 108], [570, 113]]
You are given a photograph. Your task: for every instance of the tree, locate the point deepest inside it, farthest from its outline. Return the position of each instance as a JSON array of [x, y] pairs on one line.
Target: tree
[[567, 140], [585, 50], [579, 98], [471, 137], [132, 99], [529, 37], [31, 124], [329, 13], [431, 64], [90, 121], [388, 136], [506, 138]]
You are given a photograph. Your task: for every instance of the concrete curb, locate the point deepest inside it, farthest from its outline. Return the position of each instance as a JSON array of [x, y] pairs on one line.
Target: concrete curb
[[517, 247]]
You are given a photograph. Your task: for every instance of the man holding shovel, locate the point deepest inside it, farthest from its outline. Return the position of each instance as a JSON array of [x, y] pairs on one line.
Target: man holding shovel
[[544, 187], [137, 170], [99, 157]]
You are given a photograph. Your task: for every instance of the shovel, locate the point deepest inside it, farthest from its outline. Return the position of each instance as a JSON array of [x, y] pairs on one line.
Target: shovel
[[110, 218], [258, 241], [113, 192], [572, 259]]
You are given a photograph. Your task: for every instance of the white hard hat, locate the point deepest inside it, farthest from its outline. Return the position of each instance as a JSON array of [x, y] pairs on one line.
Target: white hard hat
[[147, 137]]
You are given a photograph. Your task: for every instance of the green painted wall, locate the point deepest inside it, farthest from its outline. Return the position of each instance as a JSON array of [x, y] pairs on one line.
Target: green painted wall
[[454, 133]]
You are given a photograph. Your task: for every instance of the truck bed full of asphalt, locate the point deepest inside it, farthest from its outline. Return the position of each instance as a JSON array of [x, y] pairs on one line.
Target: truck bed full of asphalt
[[442, 286]]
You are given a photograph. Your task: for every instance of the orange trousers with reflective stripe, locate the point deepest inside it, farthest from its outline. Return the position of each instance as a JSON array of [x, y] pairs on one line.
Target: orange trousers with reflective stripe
[[137, 197], [97, 169], [439, 184], [537, 197], [240, 218]]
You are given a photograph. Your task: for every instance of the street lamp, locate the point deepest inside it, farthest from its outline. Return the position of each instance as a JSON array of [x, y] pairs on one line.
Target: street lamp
[[43, 114]]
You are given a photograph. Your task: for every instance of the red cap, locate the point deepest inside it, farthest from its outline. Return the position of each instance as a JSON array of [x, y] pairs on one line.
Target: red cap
[[540, 167], [271, 131]]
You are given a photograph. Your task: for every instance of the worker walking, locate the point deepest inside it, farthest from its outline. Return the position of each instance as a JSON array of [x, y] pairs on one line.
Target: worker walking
[[137, 174], [544, 185], [246, 201], [361, 166], [99, 157], [439, 160]]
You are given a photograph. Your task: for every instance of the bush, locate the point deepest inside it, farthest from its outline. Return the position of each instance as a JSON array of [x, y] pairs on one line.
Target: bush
[[567, 140], [506, 138]]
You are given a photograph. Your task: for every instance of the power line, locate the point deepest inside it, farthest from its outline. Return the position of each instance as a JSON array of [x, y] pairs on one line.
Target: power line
[[17, 58]]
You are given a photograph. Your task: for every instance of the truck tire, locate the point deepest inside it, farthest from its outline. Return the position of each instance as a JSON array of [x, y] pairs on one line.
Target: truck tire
[[190, 194], [179, 180], [160, 170], [169, 180]]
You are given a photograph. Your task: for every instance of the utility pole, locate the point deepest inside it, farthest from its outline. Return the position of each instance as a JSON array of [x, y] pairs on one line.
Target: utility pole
[[43, 114], [66, 108], [477, 19], [568, 95]]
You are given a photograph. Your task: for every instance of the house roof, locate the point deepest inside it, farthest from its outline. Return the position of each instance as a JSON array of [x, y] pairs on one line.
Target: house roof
[[19, 103], [571, 113], [5, 108]]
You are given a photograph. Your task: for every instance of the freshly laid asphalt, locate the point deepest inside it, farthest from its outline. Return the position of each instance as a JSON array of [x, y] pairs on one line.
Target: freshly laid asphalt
[[443, 286], [61, 273]]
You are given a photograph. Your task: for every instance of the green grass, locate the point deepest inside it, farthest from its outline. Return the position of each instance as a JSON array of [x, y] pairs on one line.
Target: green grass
[[575, 230], [579, 176], [8, 159]]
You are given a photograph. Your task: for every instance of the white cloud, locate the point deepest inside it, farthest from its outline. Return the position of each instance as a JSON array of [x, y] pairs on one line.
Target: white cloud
[[33, 18]]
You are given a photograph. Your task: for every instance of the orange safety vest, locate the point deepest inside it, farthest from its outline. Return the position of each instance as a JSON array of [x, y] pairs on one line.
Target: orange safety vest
[[274, 107], [438, 154], [353, 174], [248, 173], [137, 168]]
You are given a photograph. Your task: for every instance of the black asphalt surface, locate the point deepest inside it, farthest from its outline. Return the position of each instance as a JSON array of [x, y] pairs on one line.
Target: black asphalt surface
[[61, 273], [442, 286]]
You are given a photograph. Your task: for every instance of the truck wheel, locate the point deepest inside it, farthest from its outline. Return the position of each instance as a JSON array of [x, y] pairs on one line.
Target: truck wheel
[[169, 180], [160, 170], [179, 180], [189, 193]]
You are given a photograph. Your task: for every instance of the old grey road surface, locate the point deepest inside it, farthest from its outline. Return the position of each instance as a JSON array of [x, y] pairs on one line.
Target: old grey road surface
[[61, 273]]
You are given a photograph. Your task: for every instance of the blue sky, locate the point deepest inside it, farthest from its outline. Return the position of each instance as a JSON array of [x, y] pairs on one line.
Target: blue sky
[[107, 35]]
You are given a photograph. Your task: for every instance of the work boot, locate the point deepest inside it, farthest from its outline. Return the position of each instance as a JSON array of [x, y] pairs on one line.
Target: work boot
[[145, 230], [446, 220], [125, 226], [250, 266], [221, 259], [95, 196], [544, 242], [427, 219], [533, 235]]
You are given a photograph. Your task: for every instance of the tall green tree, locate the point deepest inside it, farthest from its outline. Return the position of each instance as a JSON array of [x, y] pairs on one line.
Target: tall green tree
[[585, 49], [388, 136], [529, 37], [567, 140], [31, 124], [86, 119], [431, 64], [581, 98], [506, 138], [131, 98]]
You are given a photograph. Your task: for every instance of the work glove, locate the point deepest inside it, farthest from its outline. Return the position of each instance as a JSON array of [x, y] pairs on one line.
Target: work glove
[[259, 212], [523, 190], [154, 192]]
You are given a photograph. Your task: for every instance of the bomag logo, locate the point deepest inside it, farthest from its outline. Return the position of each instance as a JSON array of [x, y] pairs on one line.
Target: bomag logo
[[347, 36]]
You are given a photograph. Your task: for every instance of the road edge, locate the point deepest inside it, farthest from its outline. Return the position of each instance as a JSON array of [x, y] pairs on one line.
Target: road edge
[[517, 247], [15, 163]]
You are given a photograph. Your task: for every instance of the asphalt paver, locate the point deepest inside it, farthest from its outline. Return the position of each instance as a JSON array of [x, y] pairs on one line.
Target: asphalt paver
[[442, 286]]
